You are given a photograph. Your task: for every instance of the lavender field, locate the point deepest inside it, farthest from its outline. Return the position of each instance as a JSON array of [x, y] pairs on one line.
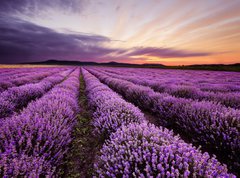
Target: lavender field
[[119, 122]]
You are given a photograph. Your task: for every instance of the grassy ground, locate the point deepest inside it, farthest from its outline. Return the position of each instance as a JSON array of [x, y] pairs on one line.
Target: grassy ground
[[85, 145]]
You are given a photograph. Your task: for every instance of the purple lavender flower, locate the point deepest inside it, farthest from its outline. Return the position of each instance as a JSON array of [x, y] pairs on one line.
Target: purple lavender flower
[[211, 125], [17, 97], [110, 111], [34, 142], [144, 150]]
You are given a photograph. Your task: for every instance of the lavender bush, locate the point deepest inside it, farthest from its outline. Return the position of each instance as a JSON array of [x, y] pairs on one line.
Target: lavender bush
[[33, 143], [17, 97], [25, 76], [211, 125], [213, 81], [143, 150], [230, 99], [110, 111]]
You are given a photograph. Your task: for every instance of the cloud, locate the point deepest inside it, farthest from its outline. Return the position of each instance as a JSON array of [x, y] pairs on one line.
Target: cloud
[[22, 41], [165, 52], [32, 7]]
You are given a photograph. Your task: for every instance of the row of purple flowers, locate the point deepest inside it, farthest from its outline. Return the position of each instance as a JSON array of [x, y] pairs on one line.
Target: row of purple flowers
[[17, 97], [212, 81], [34, 142], [214, 127], [24, 76], [136, 148], [229, 99]]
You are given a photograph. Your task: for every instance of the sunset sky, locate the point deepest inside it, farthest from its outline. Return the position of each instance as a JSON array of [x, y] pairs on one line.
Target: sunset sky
[[170, 32]]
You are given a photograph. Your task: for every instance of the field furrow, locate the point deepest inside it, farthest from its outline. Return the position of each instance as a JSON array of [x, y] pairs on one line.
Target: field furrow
[[21, 78], [134, 147], [214, 127], [15, 98], [70, 121], [34, 143], [229, 99]]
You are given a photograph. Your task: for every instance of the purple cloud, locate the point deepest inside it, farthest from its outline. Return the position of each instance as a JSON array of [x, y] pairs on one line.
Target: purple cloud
[[165, 52], [30, 7], [22, 41]]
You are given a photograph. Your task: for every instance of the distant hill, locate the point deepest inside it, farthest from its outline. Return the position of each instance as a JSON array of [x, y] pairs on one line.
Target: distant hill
[[59, 62], [116, 64], [216, 67]]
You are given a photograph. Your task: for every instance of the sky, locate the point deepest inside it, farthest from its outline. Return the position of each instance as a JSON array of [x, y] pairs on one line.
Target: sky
[[169, 32]]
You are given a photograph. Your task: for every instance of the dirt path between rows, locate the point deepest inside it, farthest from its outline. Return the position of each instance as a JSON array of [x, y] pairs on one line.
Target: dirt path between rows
[[80, 159]]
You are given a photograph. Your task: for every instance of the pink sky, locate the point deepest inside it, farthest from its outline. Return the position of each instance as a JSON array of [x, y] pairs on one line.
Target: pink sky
[[170, 32]]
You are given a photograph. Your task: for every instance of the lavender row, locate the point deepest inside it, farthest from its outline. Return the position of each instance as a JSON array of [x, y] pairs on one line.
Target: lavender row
[[19, 72], [33, 143], [144, 150], [37, 75], [17, 97], [33, 78], [139, 149], [229, 99], [216, 81], [211, 81], [109, 110], [214, 127], [25, 78], [6, 72]]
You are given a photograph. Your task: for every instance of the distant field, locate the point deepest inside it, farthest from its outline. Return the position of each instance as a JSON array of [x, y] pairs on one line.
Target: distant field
[[25, 66], [233, 67], [73, 121]]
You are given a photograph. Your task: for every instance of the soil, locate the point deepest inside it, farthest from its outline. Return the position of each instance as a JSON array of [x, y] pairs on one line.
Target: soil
[[85, 145]]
